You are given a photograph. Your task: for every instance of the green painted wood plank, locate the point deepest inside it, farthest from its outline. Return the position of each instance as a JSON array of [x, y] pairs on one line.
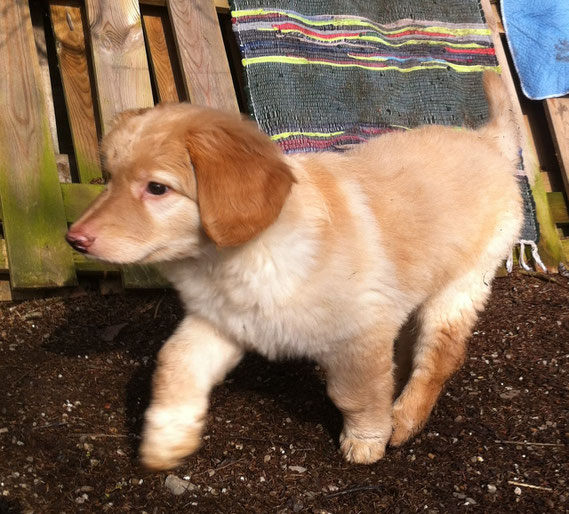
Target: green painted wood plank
[[33, 214], [558, 208], [83, 263], [565, 245], [77, 197], [549, 244], [3, 257], [142, 276]]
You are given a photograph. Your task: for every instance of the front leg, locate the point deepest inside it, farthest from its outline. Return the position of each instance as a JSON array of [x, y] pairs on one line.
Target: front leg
[[360, 383], [191, 362]]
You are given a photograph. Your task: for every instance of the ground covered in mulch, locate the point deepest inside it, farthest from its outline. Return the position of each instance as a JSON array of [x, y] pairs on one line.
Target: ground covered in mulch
[[75, 377]]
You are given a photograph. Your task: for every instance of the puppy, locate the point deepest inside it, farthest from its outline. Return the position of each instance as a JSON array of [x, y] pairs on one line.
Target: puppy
[[323, 256]]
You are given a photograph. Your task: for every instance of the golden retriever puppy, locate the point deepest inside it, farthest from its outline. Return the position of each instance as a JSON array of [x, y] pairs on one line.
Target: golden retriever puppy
[[322, 256]]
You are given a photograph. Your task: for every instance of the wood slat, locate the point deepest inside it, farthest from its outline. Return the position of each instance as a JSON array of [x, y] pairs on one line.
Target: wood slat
[[498, 18], [222, 6], [206, 72], [77, 197], [168, 80], [33, 214], [565, 245], [549, 244], [41, 46], [119, 57], [3, 257], [69, 32], [557, 110], [142, 276], [85, 264], [558, 208], [122, 78]]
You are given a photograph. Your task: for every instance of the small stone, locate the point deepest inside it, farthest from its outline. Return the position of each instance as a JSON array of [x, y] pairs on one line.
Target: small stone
[[297, 506], [297, 469], [458, 419], [176, 485], [491, 488], [470, 501], [82, 499], [266, 458], [517, 491], [508, 395], [431, 456]]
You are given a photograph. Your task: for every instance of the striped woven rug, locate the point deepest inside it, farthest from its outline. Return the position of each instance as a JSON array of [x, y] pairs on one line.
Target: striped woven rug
[[327, 74]]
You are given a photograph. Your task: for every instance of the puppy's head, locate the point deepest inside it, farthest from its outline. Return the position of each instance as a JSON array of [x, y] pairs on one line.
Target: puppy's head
[[181, 175]]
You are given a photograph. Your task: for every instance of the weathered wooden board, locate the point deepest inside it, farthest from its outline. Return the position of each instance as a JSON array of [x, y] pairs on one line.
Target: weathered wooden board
[[77, 197], [33, 214], [119, 57], [41, 47], [68, 29], [143, 276], [549, 243], [234, 54], [222, 6], [558, 208], [565, 245], [557, 110], [206, 72], [3, 257], [122, 78], [168, 80]]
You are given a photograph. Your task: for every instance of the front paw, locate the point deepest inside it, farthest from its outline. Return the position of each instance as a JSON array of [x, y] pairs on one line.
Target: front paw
[[169, 435], [362, 449]]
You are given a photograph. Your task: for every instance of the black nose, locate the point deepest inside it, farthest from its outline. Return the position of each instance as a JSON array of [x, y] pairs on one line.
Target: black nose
[[79, 242]]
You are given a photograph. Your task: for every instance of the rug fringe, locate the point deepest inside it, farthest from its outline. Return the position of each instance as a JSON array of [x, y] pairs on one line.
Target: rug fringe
[[510, 261], [522, 258]]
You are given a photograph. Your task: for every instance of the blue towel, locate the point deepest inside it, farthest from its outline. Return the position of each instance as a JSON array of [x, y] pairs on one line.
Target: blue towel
[[538, 36]]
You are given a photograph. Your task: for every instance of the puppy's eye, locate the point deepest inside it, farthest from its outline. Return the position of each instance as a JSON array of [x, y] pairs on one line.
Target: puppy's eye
[[154, 188]]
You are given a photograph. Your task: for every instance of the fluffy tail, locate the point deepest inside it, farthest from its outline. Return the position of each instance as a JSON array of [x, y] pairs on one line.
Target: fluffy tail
[[502, 128]]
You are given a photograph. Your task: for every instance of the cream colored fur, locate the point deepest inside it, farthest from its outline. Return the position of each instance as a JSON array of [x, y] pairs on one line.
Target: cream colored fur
[[414, 222]]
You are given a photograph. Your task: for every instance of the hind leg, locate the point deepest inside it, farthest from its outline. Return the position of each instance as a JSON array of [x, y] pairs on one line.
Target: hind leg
[[445, 324], [360, 383]]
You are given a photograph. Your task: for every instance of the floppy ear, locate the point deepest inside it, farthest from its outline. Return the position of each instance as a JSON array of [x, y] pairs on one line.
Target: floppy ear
[[242, 178]]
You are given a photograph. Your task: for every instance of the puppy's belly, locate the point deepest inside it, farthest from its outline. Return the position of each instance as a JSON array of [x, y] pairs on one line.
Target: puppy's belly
[[300, 328], [284, 332]]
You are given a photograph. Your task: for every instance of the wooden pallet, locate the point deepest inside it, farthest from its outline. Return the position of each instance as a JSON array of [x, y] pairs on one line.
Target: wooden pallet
[[72, 65], [103, 49], [546, 126]]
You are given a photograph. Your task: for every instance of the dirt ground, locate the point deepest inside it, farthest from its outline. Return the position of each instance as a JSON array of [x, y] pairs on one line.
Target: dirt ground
[[75, 377]]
